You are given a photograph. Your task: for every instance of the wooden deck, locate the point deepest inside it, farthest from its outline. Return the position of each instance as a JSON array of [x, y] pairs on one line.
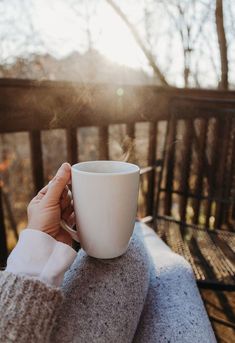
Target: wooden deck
[[221, 310], [201, 172], [208, 132]]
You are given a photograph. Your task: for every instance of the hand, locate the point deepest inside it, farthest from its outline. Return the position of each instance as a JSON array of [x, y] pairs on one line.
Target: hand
[[52, 203]]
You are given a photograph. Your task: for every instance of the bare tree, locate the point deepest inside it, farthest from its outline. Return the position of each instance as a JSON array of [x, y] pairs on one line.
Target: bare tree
[[147, 52], [186, 22], [183, 17], [191, 28], [18, 35], [85, 11], [219, 18]]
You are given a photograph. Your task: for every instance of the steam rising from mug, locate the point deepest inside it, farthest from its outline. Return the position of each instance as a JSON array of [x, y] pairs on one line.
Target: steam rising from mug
[[105, 197]]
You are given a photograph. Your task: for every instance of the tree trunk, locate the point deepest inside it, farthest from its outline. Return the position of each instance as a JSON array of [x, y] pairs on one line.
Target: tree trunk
[[222, 44]]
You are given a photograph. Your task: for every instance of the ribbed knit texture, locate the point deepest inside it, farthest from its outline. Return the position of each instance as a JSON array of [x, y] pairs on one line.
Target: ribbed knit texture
[[28, 309]]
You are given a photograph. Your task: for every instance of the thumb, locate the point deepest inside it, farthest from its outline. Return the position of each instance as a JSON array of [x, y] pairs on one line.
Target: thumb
[[58, 183]]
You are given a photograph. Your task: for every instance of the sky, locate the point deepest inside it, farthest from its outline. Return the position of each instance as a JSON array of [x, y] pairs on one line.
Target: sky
[[58, 27], [59, 22]]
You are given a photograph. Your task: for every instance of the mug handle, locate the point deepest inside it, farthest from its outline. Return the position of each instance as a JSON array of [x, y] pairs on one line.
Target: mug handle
[[66, 227]]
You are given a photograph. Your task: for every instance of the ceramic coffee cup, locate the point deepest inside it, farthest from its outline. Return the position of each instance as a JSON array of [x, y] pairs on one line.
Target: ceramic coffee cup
[[105, 197]]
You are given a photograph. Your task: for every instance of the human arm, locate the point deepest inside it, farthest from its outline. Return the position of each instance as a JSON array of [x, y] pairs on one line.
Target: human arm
[[29, 293]]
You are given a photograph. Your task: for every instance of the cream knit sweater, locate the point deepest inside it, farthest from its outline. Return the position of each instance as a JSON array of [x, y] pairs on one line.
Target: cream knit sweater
[[31, 300]]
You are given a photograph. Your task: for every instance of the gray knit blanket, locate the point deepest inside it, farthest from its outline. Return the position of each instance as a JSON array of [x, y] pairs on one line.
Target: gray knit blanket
[[147, 295]]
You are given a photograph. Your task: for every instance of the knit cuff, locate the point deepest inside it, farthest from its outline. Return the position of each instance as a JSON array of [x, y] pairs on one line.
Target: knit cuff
[[28, 309], [40, 256]]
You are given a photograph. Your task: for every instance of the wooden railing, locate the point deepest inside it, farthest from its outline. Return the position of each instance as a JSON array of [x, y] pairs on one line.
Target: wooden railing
[[33, 106]]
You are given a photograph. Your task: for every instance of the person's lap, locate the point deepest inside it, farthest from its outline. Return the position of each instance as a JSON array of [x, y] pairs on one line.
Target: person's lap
[[116, 301], [104, 298], [173, 311]]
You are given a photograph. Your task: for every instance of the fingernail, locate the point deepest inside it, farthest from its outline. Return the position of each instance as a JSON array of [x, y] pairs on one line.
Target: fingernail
[[66, 167]]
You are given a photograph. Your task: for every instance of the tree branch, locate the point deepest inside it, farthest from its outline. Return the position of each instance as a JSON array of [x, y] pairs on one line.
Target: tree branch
[[140, 43]]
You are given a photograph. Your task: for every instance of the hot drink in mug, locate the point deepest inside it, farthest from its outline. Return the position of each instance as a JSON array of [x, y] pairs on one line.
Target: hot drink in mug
[[105, 197]]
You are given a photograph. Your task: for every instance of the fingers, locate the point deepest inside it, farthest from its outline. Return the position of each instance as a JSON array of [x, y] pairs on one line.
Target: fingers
[[62, 235], [71, 220], [66, 204], [41, 193], [67, 212], [65, 192], [69, 217], [66, 199], [58, 183]]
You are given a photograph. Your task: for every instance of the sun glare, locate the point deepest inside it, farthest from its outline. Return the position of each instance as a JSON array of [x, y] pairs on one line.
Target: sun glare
[[115, 41], [59, 25]]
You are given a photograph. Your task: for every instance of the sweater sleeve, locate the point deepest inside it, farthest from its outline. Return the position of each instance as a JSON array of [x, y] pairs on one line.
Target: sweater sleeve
[[28, 309], [40, 256]]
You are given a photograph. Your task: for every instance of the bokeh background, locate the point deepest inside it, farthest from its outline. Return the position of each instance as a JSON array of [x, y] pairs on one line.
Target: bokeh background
[[169, 43]]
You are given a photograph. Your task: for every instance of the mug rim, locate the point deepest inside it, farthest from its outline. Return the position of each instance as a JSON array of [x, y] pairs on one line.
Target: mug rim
[[135, 168]]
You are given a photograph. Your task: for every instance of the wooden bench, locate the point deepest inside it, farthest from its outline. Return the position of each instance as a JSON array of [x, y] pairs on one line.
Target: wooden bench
[[200, 170]]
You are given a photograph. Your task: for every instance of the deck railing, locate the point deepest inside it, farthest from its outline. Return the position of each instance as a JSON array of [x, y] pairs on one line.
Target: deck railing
[[203, 121]]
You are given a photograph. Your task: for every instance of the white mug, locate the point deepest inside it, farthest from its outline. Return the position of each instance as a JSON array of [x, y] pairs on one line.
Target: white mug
[[105, 197]]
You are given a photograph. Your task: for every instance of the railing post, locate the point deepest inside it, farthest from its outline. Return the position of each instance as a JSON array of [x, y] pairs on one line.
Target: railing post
[[232, 209], [3, 238], [213, 168], [36, 159], [185, 168], [130, 132], [202, 139], [151, 162], [72, 145], [103, 143], [222, 172], [170, 162]]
